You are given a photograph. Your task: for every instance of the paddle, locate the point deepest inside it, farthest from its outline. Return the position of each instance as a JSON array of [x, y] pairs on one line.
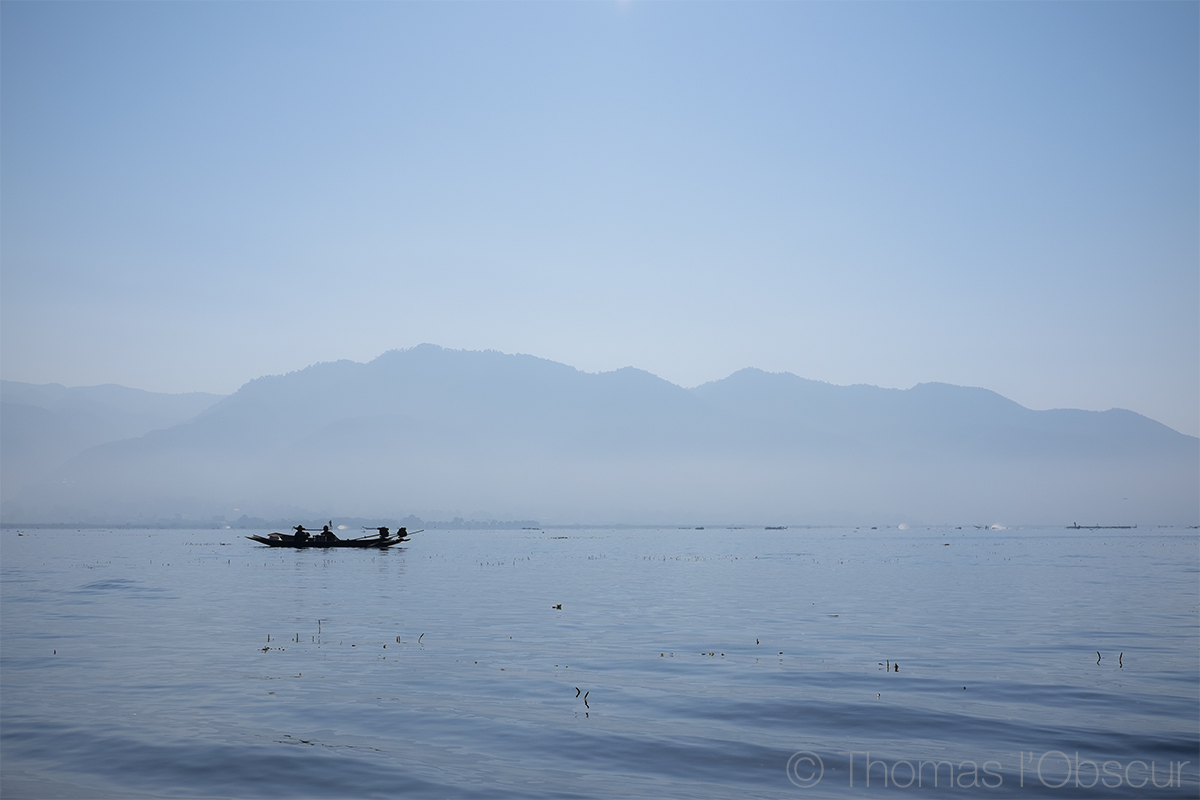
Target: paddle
[[394, 534]]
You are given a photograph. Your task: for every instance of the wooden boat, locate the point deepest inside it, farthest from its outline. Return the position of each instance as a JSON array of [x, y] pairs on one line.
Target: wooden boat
[[322, 541]]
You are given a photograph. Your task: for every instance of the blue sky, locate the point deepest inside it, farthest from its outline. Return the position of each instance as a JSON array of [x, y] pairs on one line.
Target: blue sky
[[1003, 195]]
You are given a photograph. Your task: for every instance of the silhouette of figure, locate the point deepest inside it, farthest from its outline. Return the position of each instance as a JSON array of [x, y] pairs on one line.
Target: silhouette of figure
[[402, 532], [301, 534], [328, 535], [383, 531]]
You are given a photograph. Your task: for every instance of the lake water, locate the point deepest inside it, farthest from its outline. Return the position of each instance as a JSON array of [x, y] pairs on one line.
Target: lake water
[[682, 663]]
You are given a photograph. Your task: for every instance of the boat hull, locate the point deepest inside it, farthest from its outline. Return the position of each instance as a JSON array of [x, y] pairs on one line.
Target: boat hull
[[289, 540]]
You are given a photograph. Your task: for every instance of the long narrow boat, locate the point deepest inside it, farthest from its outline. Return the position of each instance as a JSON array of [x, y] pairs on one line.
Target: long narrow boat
[[316, 540]]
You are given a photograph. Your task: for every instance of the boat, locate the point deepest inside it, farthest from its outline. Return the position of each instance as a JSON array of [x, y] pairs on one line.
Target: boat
[[325, 541]]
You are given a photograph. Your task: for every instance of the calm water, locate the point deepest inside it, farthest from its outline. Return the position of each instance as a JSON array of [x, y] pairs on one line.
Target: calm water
[[682, 663]]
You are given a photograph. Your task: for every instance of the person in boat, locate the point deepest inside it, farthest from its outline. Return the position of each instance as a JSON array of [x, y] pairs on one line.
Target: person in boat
[[383, 531], [328, 535], [301, 533], [402, 532]]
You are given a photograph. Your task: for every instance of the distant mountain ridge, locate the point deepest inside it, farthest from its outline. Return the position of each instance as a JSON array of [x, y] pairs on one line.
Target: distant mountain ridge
[[44, 425], [442, 433], [936, 414]]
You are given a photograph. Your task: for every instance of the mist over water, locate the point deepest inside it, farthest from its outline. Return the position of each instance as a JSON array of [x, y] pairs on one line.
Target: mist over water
[[138, 663]]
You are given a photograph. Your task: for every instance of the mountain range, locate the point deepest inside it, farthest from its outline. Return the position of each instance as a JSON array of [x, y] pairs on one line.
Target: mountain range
[[43, 426], [443, 433]]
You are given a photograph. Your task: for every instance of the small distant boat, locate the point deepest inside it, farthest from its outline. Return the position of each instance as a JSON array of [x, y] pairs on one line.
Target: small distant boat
[[327, 540]]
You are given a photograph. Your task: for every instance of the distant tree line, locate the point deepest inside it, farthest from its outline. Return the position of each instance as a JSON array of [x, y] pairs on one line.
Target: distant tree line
[[247, 522]]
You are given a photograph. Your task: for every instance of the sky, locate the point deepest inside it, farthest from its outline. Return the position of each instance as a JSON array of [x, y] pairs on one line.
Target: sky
[[1003, 195]]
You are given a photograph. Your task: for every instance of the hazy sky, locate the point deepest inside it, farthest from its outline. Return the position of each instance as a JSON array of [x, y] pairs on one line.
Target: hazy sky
[[1002, 195]]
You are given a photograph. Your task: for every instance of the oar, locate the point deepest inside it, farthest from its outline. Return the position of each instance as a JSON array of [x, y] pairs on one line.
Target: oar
[[373, 536], [394, 536], [397, 537], [393, 533]]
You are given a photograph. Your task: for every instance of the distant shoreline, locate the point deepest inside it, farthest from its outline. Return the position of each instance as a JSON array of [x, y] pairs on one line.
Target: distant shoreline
[[257, 523], [511, 525]]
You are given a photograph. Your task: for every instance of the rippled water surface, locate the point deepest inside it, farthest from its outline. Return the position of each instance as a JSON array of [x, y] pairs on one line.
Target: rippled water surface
[[682, 663]]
